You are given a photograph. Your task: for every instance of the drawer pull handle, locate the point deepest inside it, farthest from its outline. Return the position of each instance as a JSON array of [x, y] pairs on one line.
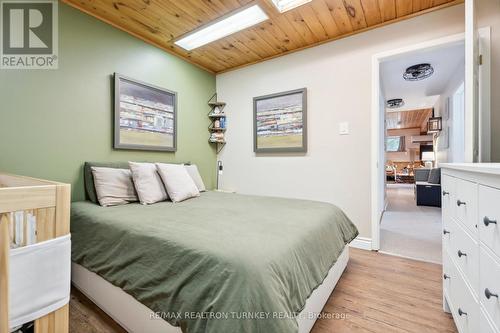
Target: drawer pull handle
[[445, 193], [487, 221], [489, 294], [446, 232], [460, 203], [460, 254], [446, 276], [461, 312]]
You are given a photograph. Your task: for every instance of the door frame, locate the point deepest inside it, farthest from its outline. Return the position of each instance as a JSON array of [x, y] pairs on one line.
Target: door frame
[[484, 77], [377, 119]]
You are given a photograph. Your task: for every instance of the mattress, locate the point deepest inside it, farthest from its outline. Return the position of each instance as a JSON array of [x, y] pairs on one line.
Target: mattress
[[222, 262]]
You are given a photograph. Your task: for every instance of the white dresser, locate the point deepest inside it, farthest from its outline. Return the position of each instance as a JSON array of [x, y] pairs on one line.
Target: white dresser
[[471, 246]]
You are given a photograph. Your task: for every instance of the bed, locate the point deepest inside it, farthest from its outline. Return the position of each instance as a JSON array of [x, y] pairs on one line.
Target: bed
[[222, 262]]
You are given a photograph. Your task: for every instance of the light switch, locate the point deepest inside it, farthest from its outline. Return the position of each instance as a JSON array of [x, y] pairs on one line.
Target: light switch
[[344, 128]]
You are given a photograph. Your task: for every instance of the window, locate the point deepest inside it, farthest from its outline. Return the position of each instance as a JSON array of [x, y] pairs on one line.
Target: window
[[395, 144], [225, 26]]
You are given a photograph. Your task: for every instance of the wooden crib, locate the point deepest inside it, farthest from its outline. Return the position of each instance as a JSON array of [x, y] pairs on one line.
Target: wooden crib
[[49, 203]]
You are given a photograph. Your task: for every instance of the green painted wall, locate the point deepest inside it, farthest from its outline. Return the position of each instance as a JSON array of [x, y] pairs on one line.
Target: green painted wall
[[51, 121]]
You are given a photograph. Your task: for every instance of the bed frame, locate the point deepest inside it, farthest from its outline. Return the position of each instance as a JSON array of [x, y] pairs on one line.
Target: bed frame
[[136, 317]]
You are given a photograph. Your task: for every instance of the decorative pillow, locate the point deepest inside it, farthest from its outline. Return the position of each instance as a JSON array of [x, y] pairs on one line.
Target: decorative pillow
[[88, 177], [435, 176], [195, 175], [180, 186], [113, 186], [147, 183]]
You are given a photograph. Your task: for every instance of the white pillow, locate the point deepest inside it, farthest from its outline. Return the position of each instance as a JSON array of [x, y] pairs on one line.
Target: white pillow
[[195, 175], [180, 186], [147, 183], [113, 186]]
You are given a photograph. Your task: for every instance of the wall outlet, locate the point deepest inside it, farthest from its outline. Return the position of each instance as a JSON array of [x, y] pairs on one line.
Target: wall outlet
[[344, 128]]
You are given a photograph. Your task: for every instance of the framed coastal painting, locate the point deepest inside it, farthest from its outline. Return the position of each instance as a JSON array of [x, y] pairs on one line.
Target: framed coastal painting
[[280, 122], [145, 116]]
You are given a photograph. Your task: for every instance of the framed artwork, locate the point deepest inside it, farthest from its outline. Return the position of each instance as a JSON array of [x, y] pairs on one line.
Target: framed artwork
[[145, 116], [280, 122], [435, 125]]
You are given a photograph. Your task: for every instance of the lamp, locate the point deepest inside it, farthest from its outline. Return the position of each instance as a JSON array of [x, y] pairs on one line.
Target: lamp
[[428, 157]]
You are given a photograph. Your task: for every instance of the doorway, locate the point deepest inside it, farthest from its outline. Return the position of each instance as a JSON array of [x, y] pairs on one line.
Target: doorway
[[405, 134], [476, 123], [421, 89]]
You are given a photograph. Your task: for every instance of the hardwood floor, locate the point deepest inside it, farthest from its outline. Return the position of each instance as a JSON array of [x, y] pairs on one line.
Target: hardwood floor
[[378, 293], [383, 293], [86, 317]]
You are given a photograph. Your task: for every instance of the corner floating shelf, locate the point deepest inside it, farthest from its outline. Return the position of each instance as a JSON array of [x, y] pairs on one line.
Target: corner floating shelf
[[217, 127], [218, 115], [215, 103]]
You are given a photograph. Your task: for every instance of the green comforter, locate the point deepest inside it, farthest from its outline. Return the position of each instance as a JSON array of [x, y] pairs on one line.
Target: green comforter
[[218, 263]]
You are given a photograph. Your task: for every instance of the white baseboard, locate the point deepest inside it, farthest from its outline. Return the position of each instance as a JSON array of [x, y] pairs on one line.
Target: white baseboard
[[363, 243]]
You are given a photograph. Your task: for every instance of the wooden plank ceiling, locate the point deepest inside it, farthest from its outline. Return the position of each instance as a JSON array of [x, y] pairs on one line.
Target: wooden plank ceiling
[[161, 22], [408, 119]]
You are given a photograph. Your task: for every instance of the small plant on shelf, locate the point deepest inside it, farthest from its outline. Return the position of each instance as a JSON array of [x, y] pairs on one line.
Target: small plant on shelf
[[217, 127]]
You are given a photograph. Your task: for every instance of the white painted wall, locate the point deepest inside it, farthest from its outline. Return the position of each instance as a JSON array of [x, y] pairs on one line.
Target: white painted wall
[[445, 155], [337, 75]]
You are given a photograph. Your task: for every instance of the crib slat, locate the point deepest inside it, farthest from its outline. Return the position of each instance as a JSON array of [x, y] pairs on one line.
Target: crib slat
[[62, 319], [4, 273], [54, 322], [63, 203], [45, 324], [45, 224]]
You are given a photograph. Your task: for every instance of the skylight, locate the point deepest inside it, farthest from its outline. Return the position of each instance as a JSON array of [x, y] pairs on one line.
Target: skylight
[[286, 5], [223, 27]]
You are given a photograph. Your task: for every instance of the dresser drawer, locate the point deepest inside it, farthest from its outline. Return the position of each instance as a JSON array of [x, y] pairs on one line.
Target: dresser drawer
[[465, 204], [449, 226], [464, 251], [485, 326], [490, 286], [449, 271], [448, 190], [489, 217], [466, 308]]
